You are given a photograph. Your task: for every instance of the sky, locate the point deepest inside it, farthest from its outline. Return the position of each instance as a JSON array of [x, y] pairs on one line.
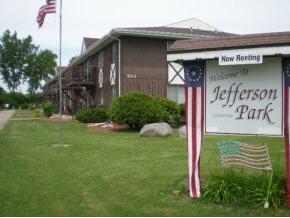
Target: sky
[[95, 18]]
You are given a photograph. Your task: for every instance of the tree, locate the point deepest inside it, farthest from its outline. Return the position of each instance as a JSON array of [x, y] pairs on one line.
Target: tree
[[21, 60], [40, 66], [11, 59], [2, 96]]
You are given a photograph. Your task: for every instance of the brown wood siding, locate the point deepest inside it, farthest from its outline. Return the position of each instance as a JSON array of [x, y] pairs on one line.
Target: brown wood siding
[[144, 66], [149, 86], [107, 52]]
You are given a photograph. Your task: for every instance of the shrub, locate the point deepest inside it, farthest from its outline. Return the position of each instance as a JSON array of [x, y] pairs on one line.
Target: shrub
[[245, 189], [49, 109], [92, 115], [276, 194], [182, 109], [170, 109], [135, 109], [37, 113], [223, 188]]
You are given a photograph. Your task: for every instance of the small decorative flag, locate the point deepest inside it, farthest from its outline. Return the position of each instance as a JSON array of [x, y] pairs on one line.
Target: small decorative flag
[[286, 70], [248, 155], [194, 104], [48, 8]]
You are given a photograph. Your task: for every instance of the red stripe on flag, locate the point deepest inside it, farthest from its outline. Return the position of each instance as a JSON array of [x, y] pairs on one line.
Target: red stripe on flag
[[45, 9], [194, 119], [194, 141]]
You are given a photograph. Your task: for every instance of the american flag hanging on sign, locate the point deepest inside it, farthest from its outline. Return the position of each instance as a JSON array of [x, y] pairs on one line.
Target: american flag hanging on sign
[[194, 104], [48, 8], [286, 70], [247, 155]]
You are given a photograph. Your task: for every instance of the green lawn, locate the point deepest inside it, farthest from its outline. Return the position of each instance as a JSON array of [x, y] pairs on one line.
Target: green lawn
[[23, 114], [107, 174]]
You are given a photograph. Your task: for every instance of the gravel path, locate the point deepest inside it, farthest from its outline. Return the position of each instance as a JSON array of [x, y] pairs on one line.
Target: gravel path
[[5, 116]]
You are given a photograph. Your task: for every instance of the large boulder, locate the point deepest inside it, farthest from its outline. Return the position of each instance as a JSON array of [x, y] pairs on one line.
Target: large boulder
[[156, 129], [182, 131]]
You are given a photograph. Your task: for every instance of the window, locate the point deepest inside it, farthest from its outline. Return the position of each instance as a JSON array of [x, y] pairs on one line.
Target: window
[[114, 52], [176, 93], [101, 97], [101, 59], [113, 94], [101, 78]]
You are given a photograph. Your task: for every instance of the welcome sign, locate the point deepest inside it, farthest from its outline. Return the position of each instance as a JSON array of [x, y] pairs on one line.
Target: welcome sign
[[244, 99]]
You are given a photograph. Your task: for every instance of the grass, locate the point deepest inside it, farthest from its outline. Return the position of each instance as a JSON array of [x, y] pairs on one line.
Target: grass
[[23, 114], [107, 174]]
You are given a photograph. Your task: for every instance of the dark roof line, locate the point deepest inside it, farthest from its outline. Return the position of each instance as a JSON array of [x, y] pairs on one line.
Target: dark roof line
[[227, 42], [174, 31], [154, 32], [88, 41]]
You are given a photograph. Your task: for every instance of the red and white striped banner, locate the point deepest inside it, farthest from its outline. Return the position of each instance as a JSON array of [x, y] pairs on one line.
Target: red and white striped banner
[[194, 105], [286, 70], [194, 117]]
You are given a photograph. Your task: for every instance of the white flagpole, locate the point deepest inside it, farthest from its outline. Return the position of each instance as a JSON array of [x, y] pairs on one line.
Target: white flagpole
[[60, 73]]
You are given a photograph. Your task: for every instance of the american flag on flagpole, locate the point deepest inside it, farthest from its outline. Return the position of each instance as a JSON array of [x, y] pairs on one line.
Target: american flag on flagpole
[[286, 70], [48, 8], [194, 103]]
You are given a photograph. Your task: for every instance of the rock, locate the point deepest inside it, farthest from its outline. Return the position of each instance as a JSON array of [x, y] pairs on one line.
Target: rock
[[182, 132], [156, 129]]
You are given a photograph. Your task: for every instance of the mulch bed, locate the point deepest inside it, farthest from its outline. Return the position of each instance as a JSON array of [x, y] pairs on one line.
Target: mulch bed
[[62, 119], [106, 127]]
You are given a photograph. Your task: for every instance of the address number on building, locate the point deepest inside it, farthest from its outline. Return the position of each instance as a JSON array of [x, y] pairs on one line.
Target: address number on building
[[131, 76]]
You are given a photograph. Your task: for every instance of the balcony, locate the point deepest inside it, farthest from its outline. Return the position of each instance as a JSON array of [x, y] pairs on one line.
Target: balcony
[[83, 78]]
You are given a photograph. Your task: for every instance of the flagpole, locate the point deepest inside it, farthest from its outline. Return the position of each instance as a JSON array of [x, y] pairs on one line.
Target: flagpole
[[60, 72]]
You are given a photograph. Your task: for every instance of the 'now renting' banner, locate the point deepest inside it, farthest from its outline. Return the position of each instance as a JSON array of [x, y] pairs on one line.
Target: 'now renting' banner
[[244, 99]]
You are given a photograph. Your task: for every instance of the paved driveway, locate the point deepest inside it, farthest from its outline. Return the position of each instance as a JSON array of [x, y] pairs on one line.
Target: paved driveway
[[5, 116]]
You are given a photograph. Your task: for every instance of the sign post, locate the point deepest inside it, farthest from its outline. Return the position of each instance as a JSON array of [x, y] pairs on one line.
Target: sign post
[[245, 99], [286, 71]]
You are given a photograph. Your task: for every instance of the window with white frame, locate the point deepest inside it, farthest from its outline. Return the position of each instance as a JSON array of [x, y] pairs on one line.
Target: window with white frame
[[101, 97], [101, 78], [101, 59], [114, 52], [113, 94]]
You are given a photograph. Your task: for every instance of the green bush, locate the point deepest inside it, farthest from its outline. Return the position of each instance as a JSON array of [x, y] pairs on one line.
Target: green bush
[[92, 115], [170, 109], [49, 109], [135, 109], [182, 109], [223, 188], [2, 97], [238, 188], [37, 113]]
